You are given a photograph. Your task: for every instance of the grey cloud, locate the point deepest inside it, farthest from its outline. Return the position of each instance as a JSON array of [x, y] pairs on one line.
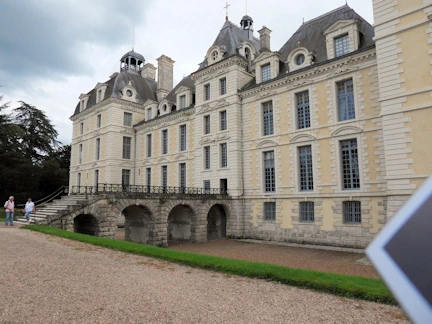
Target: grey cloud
[[43, 39]]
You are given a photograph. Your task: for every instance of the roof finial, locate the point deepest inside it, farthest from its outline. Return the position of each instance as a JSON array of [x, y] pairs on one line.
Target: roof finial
[[133, 36], [246, 6], [226, 7], [303, 20]]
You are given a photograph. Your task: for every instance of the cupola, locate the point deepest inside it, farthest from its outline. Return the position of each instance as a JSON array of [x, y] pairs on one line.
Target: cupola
[[132, 62], [247, 25]]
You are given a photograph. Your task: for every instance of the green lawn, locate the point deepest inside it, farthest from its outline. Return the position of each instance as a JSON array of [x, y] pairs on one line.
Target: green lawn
[[2, 214], [341, 285]]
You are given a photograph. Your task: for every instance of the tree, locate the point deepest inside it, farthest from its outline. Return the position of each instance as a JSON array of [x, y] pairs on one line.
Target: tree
[[39, 138], [54, 171]]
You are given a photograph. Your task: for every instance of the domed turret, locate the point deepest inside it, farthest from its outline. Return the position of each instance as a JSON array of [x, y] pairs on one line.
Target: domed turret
[[132, 62], [247, 25]]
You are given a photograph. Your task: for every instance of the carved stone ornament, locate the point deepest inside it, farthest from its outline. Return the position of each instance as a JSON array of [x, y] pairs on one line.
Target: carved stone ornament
[[266, 94], [222, 137], [96, 133], [342, 70], [206, 140]]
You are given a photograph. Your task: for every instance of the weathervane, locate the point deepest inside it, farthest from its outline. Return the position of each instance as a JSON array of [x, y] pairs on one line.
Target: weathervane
[[226, 7]]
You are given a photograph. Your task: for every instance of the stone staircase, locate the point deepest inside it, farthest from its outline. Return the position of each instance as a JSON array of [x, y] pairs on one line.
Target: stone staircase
[[51, 210]]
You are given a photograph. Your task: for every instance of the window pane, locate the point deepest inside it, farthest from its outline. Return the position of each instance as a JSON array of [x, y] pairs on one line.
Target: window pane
[[350, 166], [207, 157], [303, 111], [267, 118], [148, 174], [183, 138], [269, 172], [345, 98], [165, 141], [223, 120], [207, 92], [125, 177], [269, 211], [97, 148], [149, 113], [352, 212], [265, 72], [305, 166], [182, 102], [164, 176], [223, 86], [207, 124], [80, 153], [341, 45], [307, 213], [224, 158], [149, 145], [182, 175], [127, 147], [127, 119], [99, 121]]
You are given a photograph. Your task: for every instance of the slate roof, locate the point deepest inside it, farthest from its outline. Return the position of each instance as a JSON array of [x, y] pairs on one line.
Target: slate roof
[[133, 54], [146, 88], [229, 37], [185, 82], [310, 34]]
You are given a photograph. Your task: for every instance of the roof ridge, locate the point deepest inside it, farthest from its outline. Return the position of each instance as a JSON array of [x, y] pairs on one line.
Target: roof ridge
[[326, 14]]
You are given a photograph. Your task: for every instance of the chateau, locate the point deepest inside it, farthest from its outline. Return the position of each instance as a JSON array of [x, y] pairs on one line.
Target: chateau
[[320, 141]]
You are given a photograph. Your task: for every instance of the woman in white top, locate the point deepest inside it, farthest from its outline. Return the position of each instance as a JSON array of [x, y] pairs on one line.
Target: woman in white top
[[29, 208]]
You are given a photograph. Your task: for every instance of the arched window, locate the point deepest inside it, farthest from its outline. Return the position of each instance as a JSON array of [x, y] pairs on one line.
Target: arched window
[[247, 54]]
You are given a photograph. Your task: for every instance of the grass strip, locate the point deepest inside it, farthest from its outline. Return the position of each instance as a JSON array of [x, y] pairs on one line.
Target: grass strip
[[336, 284]]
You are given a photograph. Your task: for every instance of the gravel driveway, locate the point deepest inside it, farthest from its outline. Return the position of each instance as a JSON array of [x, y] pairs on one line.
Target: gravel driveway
[[47, 279]]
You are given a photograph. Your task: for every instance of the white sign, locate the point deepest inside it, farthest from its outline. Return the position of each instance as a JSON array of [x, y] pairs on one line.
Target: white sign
[[402, 254]]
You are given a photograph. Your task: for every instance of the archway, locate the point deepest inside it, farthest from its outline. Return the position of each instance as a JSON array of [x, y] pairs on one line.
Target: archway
[[180, 224], [216, 222], [138, 224], [86, 224]]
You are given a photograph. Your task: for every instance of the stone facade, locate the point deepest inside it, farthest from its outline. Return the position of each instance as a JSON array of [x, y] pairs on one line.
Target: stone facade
[[212, 130]]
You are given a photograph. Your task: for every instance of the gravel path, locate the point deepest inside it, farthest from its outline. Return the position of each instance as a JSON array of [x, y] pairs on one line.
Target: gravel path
[[47, 279]]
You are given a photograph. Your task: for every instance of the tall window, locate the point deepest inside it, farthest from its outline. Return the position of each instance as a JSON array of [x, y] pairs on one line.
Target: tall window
[[341, 45], [98, 141], [165, 141], [207, 186], [182, 172], [307, 213], [267, 110], [352, 212], [269, 172], [222, 85], [127, 119], [345, 98], [96, 177], [149, 114], [149, 145], [80, 156], [164, 171], [127, 147], [305, 164], [81, 128], [350, 165], [270, 211], [148, 176], [207, 92], [265, 72], [207, 124], [125, 177], [79, 179], [182, 101], [303, 110], [223, 120], [183, 138], [223, 155], [99, 121], [207, 157]]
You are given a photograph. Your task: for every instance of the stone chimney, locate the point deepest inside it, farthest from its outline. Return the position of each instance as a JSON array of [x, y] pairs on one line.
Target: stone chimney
[[148, 71], [264, 39], [165, 76]]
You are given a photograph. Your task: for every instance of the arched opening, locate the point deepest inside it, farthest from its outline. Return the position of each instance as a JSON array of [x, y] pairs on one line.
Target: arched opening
[[216, 223], [86, 224], [179, 224], [138, 225]]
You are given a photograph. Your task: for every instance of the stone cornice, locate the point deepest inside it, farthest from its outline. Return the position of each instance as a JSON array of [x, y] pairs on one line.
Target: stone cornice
[[234, 60], [301, 77], [166, 120]]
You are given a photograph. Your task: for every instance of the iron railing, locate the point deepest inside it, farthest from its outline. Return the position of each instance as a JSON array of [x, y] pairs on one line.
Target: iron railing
[[103, 188]]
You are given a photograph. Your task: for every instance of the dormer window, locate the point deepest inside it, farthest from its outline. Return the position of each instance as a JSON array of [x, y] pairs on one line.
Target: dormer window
[[341, 45], [149, 113], [300, 59], [129, 93], [247, 54], [265, 72], [183, 102], [215, 55]]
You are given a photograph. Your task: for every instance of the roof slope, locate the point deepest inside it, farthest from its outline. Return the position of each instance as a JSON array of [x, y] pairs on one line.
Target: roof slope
[[146, 88], [185, 82], [229, 37], [310, 34]]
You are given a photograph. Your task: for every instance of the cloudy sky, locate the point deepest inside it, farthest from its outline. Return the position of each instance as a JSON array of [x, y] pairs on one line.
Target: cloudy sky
[[51, 51]]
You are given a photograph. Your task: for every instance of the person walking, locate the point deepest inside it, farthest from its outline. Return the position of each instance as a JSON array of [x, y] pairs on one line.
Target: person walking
[[29, 208], [9, 208]]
